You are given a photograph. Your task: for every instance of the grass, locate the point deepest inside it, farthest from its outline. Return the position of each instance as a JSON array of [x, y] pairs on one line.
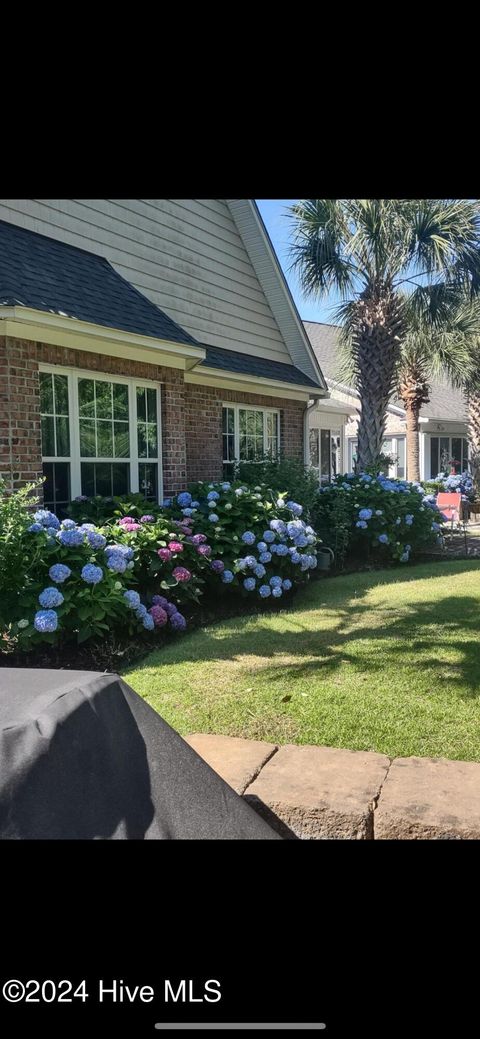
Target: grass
[[386, 661]]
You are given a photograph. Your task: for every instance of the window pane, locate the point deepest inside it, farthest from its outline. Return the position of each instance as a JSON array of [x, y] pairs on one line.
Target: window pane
[[142, 439], [243, 448], [88, 479], [122, 440], [314, 449], [445, 455], [63, 437], [86, 398], [352, 454], [464, 454], [120, 401], [104, 440], [457, 453], [46, 393], [258, 448], [103, 399], [61, 394], [87, 438], [103, 478], [48, 487], [228, 471], [48, 437], [152, 440], [434, 460], [120, 473], [259, 423], [152, 405], [56, 489], [141, 404], [242, 419], [325, 454], [148, 480], [335, 449], [401, 458]]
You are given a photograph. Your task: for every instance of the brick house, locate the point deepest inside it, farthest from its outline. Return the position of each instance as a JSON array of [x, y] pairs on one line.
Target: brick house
[[145, 343], [443, 421]]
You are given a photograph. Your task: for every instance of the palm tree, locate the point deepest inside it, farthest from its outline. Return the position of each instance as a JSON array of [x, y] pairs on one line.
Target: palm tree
[[443, 330], [366, 250]]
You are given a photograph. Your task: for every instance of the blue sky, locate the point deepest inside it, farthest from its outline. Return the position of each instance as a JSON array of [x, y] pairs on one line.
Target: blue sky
[[273, 212]]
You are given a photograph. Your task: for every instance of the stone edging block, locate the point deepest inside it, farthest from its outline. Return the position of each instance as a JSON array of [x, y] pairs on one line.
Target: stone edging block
[[237, 761]]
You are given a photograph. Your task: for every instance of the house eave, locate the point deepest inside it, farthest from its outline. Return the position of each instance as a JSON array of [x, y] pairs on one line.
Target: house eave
[[203, 376]]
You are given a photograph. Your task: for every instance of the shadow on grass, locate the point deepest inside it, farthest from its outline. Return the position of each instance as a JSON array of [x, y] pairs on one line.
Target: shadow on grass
[[405, 629]]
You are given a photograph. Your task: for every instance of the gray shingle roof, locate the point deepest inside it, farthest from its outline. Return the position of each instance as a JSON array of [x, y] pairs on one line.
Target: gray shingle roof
[[446, 403], [45, 274], [258, 367]]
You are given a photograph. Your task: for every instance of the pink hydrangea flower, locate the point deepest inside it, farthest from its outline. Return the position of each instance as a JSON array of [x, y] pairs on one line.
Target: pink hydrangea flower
[[204, 550], [199, 539], [131, 526], [160, 617], [175, 546], [125, 519], [181, 573], [164, 554]]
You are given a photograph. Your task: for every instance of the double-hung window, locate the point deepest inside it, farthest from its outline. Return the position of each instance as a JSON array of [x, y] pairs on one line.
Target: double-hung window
[[249, 435], [100, 435]]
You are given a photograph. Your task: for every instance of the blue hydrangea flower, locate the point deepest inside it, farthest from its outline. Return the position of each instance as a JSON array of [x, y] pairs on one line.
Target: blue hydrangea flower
[[295, 508], [278, 526], [383, 539], [226, 486], [141, 611], [265, 557], [45, 620], [262, 547], [227, 576], [249, 584], [275, 581], [46, 518], [265, 590], [280, 503], [183, 499], [72, 538], [282, 550], [124, 550], [132, 598], [68, 524], [92, 574], [436, 526], [295, 528], [409, 519], [268, 536], [398, 521], [250, 561], [148, 622], [50, 597], [178, 622], [365, 514], [248, 537], [408, 548], [195, 504], [259, 571], [361, 524], [35, 528], [277, 592], [167, 503], [96, 540], [379, 512], [286, 584], [116, 562], [87, 526], [213, 496], [365, 478], [301, 541], [213, 517], [59, 573], [296, 557], [273, 549]]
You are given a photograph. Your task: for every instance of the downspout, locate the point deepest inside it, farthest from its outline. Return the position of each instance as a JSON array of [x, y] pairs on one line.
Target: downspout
[[311, 406]]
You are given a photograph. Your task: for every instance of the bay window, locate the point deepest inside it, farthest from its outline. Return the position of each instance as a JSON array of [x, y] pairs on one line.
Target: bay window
[[100, 435], [249, 434], [325, 453]]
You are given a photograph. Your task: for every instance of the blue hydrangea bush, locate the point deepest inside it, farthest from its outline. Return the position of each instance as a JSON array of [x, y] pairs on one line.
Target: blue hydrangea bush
[[259, 542], [383, 518]]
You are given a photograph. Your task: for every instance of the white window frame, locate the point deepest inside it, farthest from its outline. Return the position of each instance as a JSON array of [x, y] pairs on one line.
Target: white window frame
[[73, 375], [443, 435], [236, 408], [318, 469]]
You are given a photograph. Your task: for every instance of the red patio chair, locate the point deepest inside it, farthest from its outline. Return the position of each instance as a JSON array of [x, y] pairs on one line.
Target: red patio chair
[[451, 506]]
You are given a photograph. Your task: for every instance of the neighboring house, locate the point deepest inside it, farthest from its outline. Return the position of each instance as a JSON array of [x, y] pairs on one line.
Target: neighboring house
[[443, 436], [145, 343]]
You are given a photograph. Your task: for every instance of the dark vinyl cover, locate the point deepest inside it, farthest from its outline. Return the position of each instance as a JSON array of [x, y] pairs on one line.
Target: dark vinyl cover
[[83, 757]]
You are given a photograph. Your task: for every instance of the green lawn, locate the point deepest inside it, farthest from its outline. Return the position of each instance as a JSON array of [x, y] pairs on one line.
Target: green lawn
[[386, 661]]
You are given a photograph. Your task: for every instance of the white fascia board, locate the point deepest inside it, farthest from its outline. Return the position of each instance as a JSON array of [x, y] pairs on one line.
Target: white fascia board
[[57, 330], [248, 384], [330, 404], [273, 282]]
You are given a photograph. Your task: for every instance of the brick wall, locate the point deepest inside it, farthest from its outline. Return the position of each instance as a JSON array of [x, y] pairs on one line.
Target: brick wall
[[20, 434], [191, 415], [204, 426]]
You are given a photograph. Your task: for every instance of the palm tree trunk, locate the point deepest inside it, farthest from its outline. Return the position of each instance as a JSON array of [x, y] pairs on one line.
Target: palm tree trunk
[[473, 400], [413, 440], [376, 346]]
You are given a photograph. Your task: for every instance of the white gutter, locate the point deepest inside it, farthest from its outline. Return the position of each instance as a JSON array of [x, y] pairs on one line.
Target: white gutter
[[313, 406]]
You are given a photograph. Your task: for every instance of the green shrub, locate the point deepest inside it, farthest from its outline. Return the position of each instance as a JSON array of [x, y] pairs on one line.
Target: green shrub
[[286, 476], [364, 515]]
